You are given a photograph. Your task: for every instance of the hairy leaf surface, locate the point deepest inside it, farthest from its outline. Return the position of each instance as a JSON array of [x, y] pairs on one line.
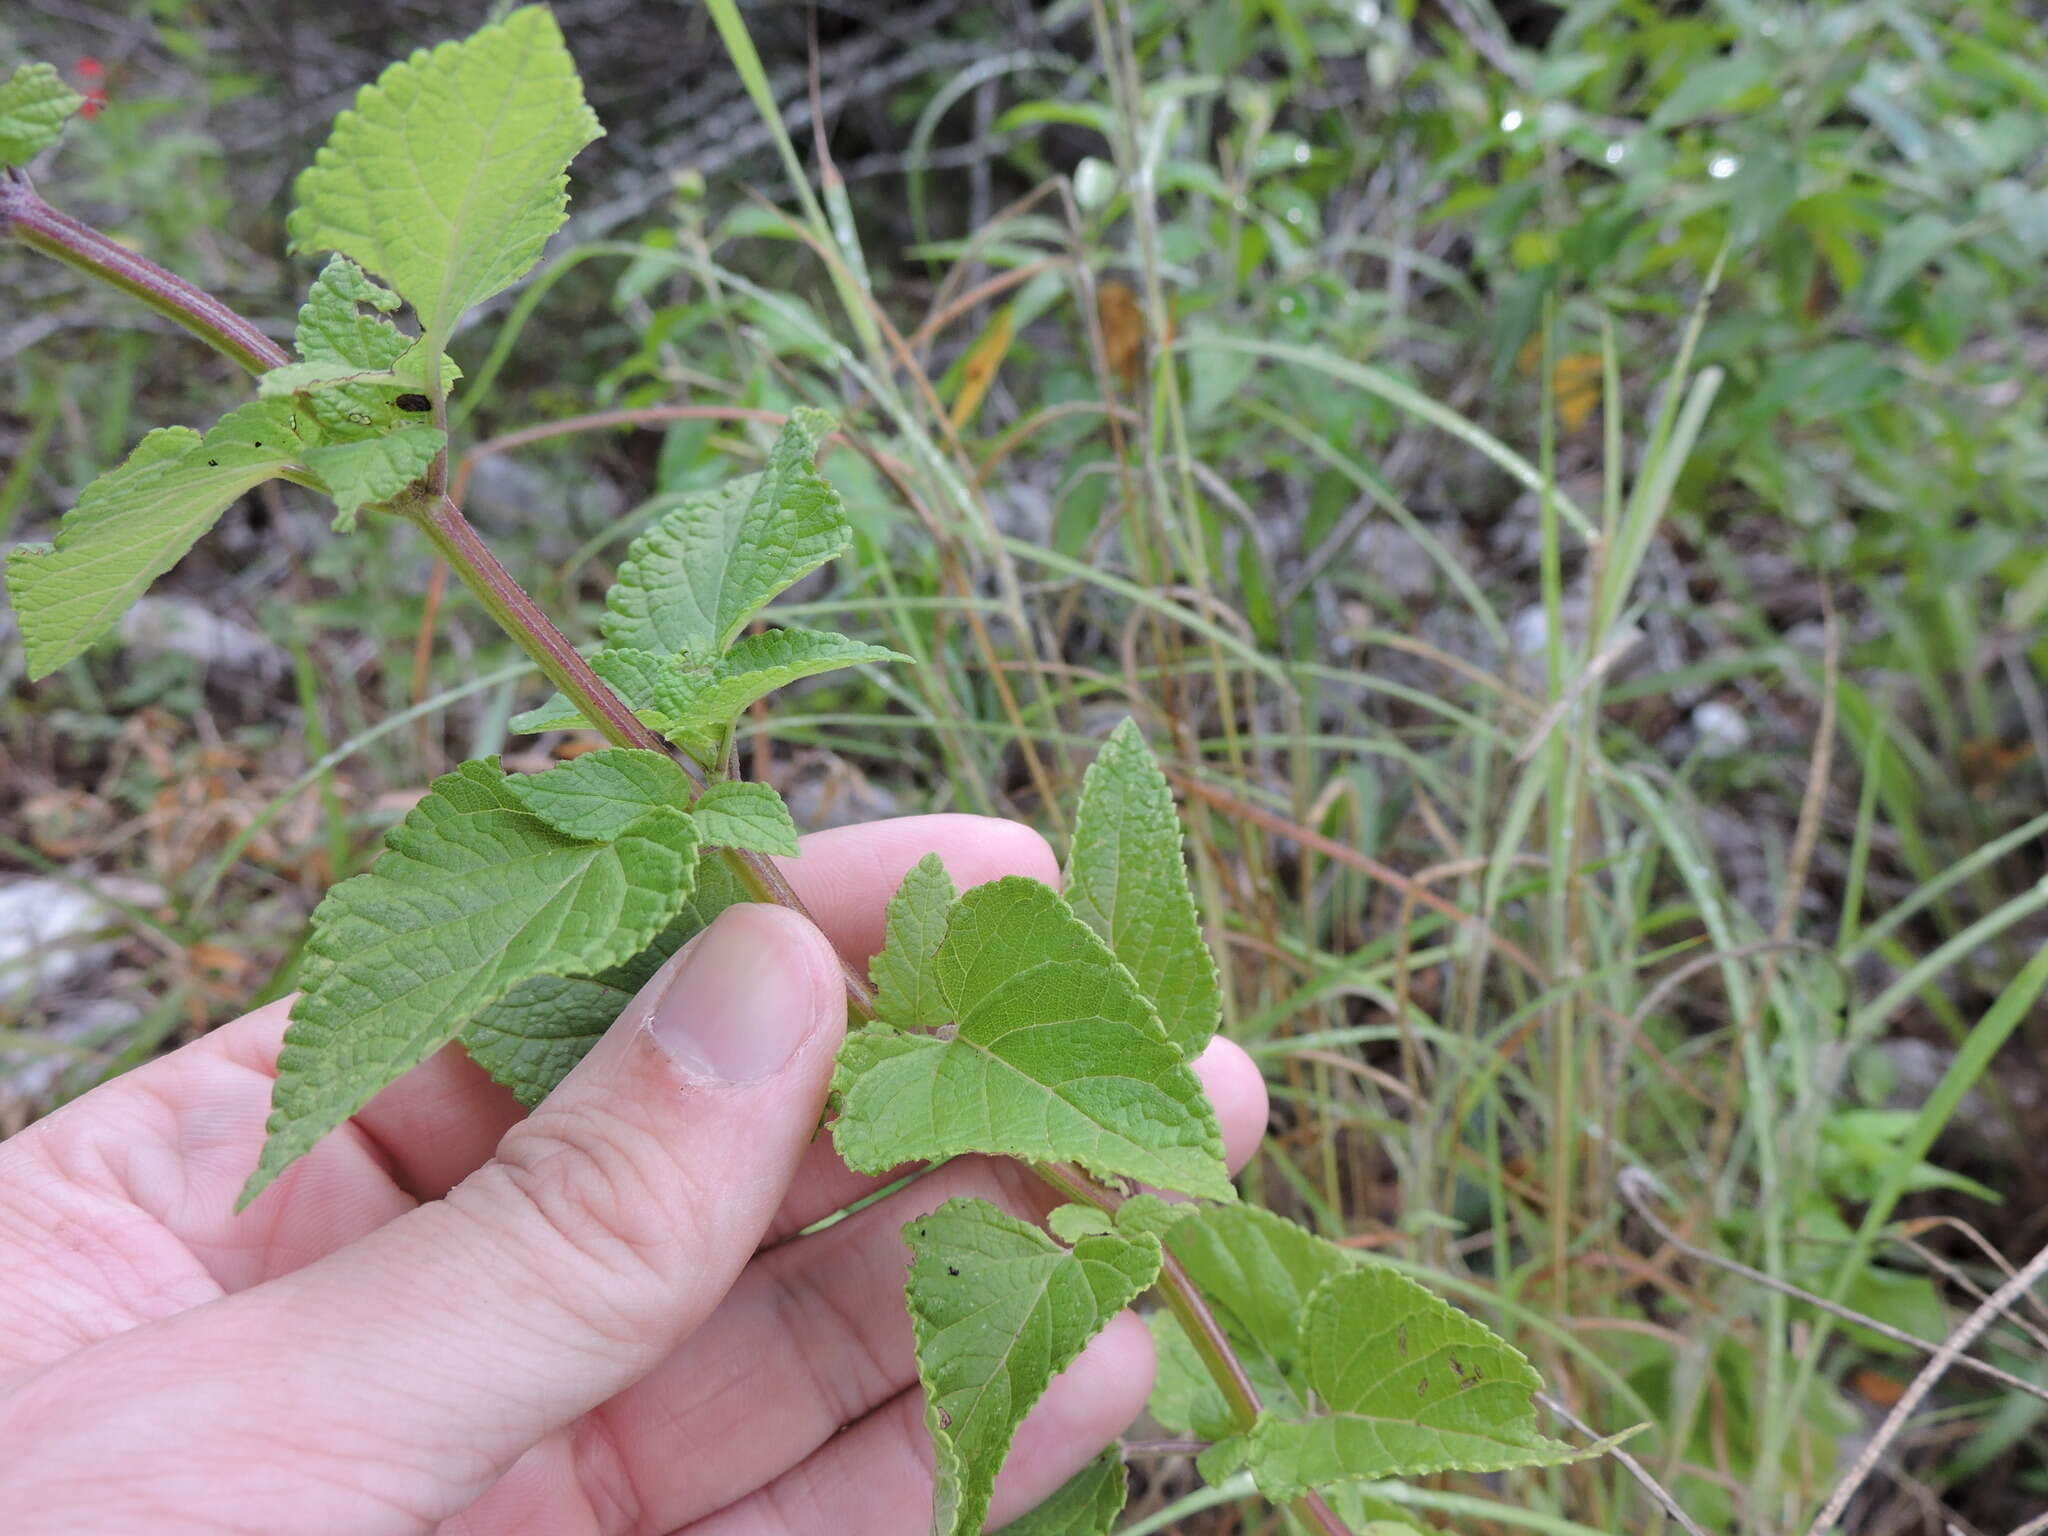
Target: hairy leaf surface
[[135, 522], [531, 1039], [635, 676], [374, 468], [1087, 1504], [1126, 880], [700, 696], [35, 104], [1055, 1058], [1409, 1385], [691, 582], [737, 814], [691, 701], [304, 378], [600, 794], [473, 895], [448, 175], [905, 969], [999, 1309], [1257, 1271]]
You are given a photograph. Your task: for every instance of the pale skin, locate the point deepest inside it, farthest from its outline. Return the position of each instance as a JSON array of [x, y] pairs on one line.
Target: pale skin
[[454, 1317]]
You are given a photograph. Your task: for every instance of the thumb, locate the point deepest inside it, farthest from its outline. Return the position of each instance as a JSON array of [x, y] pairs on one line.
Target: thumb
[[608, 1226]]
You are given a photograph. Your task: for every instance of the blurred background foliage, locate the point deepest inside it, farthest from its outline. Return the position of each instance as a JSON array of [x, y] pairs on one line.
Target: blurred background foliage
[[1561, 483]]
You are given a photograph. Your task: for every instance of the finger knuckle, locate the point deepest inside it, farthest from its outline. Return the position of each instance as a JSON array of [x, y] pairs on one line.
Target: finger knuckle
[[602, 1190]]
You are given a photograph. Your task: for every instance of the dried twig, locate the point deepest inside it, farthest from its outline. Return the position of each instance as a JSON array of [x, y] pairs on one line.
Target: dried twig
[[1635, 1468], [1636, 1185], [1950, 1353]]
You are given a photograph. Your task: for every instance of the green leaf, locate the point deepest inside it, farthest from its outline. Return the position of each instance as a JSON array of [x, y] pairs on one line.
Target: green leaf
[[738, 814], [1071, 1223], [1055, 1058], [1126, 880], [692, 581], [333, 327], [34, 107], [635, 676], [449, 174], [137, 521], [305, 378], [1258, 1271], [700, 697], [355, 364], [999, 1309], [473, 895], [373, 469], [1410, 1386], [1185, 1399], [530, 1039], [905, 970], [1087, 1504], [692, 702], [600, 794]]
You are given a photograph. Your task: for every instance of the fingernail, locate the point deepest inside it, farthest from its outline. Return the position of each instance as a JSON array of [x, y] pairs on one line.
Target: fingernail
[[737, 1001]]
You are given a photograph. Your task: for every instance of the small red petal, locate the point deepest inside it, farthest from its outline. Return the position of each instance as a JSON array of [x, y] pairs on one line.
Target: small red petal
[[90, 109], [91, 67]]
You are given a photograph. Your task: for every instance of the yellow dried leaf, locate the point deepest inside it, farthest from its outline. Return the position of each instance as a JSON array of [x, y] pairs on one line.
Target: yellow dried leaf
[[978, 368]]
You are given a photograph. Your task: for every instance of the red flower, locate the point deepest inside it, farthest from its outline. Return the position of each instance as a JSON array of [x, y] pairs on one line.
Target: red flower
[[92, 72]]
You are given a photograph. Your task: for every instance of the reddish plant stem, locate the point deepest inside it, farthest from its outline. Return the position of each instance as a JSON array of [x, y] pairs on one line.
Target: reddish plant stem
[[457, 542], [27, 218]]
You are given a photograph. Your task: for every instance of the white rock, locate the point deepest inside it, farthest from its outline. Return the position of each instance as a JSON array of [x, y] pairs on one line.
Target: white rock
[[180, 626], [1721, 729], [46, 930]]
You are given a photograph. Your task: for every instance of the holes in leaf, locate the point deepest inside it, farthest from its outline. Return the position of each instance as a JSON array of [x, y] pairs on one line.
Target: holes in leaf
[[413, 403]]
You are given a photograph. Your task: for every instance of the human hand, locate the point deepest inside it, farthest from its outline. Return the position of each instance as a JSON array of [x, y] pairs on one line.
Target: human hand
[[599, 1318]]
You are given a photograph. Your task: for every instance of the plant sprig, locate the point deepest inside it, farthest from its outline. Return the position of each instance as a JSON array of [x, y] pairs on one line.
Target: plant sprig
[[518, 913]]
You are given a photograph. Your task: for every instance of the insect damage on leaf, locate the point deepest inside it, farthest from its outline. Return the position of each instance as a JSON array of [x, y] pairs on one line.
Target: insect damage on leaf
[[1407, 1385]]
